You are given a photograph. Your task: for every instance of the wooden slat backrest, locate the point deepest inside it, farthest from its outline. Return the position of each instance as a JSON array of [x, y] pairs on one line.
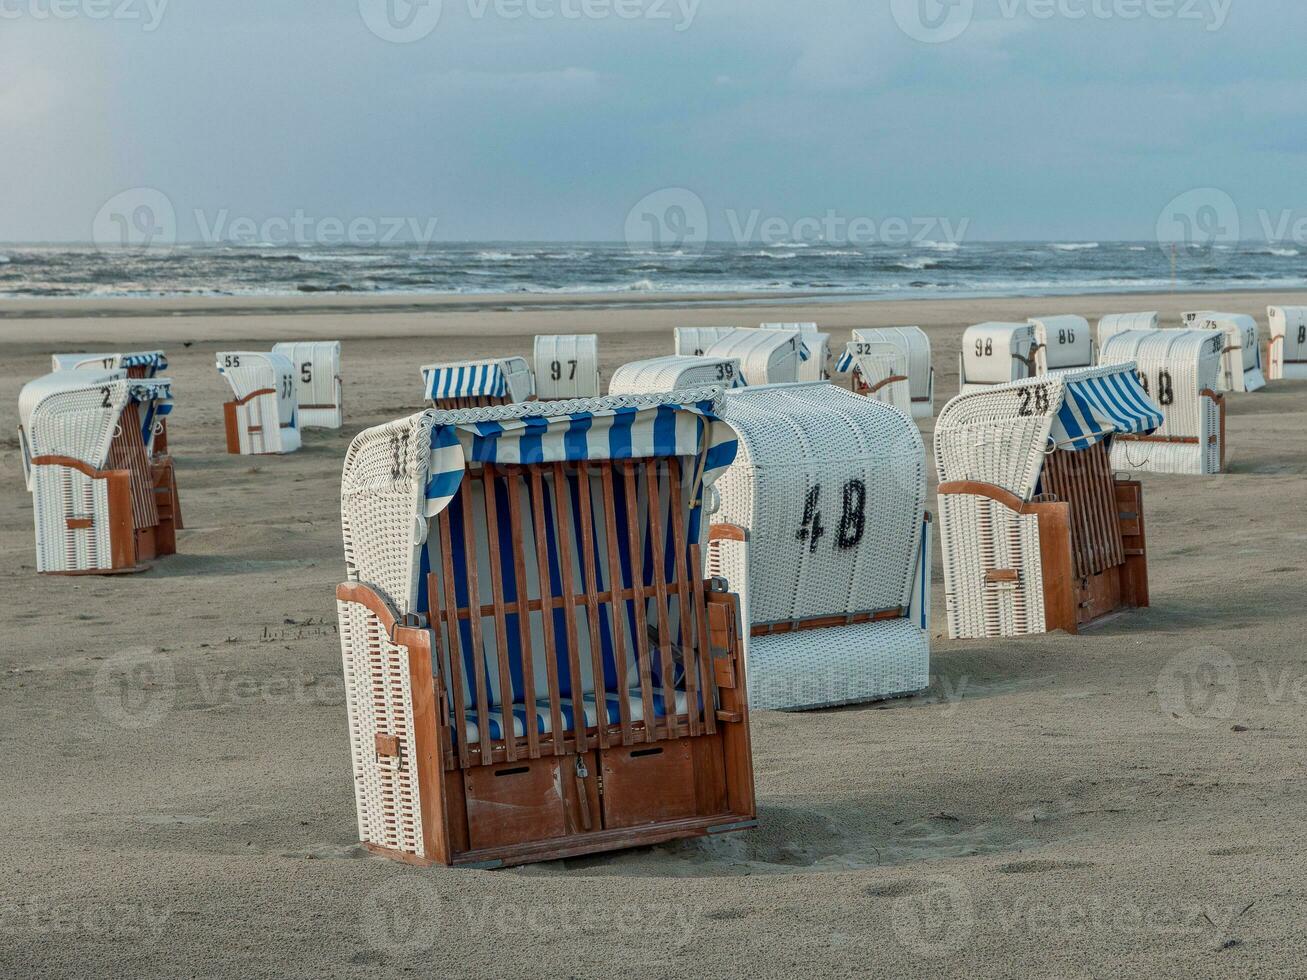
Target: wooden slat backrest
[[1084, 480], [127, 452]]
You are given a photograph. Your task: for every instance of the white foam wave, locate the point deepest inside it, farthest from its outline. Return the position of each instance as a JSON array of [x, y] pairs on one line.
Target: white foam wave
[[1073, 246]]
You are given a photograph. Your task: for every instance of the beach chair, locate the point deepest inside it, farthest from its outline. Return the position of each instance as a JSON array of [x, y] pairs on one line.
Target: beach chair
[[815, 366], [880, 372], [1286, 354], [104, 501], [1179, 369], [1241, 362], [1064, 342], [823, 531], [319, 394], [567, 366], [535, 666], [1037, 535], [996, 354], [138, 364], [478, 384], [1114, 323], [765, 356], [674, 372], [915, 346], [263, 418]]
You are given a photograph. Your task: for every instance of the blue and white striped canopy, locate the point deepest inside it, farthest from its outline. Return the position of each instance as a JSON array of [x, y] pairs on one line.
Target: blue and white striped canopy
[[156, 396], [683, 423], [846, 361], [154, 360], [1100, 402], [483, 378]]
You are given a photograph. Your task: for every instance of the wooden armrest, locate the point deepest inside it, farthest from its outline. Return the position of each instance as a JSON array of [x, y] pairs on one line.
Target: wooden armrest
[[727, 532], [1002, 575]]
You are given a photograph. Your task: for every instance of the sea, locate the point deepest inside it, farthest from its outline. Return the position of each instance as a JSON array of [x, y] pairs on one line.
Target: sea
[[813, 269]]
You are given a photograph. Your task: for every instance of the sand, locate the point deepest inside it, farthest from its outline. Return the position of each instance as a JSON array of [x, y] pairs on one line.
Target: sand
[[175, 779]]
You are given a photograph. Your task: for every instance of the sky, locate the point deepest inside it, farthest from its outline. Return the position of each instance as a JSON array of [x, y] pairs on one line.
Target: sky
[[587, 119]]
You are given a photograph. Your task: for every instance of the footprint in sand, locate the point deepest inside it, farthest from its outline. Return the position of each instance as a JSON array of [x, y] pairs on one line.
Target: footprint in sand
[[1040, 866]]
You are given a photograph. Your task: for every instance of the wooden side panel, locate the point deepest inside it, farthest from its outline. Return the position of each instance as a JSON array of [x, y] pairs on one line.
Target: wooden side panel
[[1134, 576], [232, 430], [645, 784], [516, 802], [1060, 585]]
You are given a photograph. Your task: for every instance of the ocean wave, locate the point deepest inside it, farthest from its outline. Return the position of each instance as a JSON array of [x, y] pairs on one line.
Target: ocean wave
[[1073, 246], [939, 246], [916, 265], [642, 286], [1283, 253], [4, 260], [491, 255]]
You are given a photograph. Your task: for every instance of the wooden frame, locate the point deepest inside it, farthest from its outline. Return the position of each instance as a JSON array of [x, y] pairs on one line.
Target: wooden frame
[[650, 761], [1092, 541]]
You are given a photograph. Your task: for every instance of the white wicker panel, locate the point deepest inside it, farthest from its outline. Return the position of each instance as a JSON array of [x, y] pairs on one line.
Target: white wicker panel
[[317, 367], [1115, 323], [916, 345], [379, 701], [1241, 366], [1288, 361], [693, 341], [984, 436], [979, 535], [765, 356], [996, 353], [276, 414], [73, 414], [1067, 342], [878, 365], [61, 492], [839, 665], [673, 373], [567, 366], [809, 454], [816, 343]]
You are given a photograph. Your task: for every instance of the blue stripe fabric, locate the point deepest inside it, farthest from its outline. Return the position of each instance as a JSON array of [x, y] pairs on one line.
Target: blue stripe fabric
[[464, 381], [845, 363], [1100, 402]]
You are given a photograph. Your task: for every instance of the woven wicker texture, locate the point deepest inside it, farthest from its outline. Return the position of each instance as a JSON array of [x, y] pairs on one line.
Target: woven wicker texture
[[1241, 365], [1175, 367], [915, 344], [673, 373], [765, 356], [880, 371], [318, 387], [1115, 323], [996, 353], [816, 366], [1288, 350], [1065, 342], [137, 364], [379, 702], [998, 435], [567, 366], [831, 489]]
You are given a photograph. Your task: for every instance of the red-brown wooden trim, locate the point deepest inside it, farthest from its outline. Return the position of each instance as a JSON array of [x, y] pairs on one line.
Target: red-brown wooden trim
[[727, 532], [825, 622], [1002, 575], [252, 395], [893, 378], [75, 464]]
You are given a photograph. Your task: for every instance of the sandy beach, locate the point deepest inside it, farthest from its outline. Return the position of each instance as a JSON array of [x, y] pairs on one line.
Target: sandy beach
[[176, 782]]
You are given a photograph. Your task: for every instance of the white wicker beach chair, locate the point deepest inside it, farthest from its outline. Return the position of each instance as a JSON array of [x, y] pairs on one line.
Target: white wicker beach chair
[[1114, 323], [1241, 365], [567, 366], [478, 384], [1064, 342], [674, 372], [825, 535], [1179, 369], [319, 392], [263, 417], [1037, 535], [880, 372], [915, 346], [103, 500], [995, 354], [765, 356], [137, 364], [1286, 355], [535, 667], [815, 366]]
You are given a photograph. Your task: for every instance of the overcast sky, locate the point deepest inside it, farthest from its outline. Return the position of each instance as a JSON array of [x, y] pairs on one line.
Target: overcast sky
[[1031, 123]]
